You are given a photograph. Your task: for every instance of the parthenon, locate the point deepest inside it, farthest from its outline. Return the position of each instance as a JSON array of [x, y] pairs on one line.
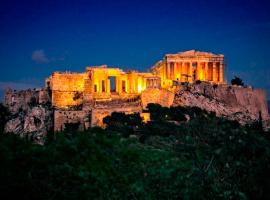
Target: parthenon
[[190, 66]]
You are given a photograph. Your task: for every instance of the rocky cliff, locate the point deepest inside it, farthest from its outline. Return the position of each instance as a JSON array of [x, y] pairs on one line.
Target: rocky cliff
[[31, 115], [243, 104]]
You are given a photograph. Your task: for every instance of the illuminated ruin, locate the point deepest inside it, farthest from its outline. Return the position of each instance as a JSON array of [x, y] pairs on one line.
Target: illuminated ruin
[[87, 97], [190, 66], [190, 78], [100, 83]]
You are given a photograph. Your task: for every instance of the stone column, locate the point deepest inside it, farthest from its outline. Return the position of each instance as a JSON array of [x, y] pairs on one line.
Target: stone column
[[190, 73], [180, 64], [184, 71], [175, 70], [164, 71], [206, 71], [198, 69], [215, 75], [108, 86], [168, 70], [221, 73]]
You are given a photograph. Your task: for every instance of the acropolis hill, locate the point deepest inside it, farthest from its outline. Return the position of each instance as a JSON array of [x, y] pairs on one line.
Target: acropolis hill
[[190, 78]]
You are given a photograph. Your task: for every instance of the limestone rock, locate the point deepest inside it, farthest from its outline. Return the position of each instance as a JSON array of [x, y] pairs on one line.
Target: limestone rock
[[14, 126], [236, 103], [33, 123]]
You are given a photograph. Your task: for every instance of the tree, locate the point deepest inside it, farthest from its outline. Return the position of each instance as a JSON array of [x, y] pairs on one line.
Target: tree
[[237, 81], [122, 119], [4, 113]]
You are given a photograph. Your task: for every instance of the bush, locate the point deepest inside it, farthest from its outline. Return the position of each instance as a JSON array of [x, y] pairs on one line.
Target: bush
[[237, 81], [123, 123], [204, 158], [4, 115]]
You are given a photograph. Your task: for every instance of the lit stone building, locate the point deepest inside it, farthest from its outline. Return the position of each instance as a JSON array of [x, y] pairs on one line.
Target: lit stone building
[[82, 100], [190, 66], [100, 83], [87, 97]]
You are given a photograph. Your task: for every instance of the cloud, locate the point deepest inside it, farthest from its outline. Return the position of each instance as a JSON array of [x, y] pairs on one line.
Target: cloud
[[39, 56]]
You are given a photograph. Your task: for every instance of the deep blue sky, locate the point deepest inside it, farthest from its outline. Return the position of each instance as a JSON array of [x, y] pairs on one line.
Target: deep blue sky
[[39, 37]]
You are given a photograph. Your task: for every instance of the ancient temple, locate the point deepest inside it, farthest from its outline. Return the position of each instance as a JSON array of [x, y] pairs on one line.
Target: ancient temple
[[190, 66], [100, 83]]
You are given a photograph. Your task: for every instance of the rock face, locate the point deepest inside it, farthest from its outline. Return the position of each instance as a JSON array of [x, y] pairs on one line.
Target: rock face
[[245, 105], [30, 117], [33, 123]]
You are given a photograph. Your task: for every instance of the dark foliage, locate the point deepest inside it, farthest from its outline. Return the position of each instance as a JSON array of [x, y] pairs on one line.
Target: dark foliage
[[4, 115], [123, 123], [204, 158], [237, 81]]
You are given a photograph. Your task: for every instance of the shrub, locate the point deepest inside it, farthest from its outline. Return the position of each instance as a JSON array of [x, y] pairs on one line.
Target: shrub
[[205, 158], [237, 81], [4, 115]]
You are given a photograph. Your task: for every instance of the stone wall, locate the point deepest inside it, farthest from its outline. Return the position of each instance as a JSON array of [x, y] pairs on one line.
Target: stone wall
[[21, 100], [65, 87], [99, 113], [62, 117], [67, 81], [64, 99], [161, 96]]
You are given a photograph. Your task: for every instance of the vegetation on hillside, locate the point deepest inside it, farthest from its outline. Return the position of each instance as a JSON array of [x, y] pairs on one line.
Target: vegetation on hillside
[[237, 81], [4, 114], [183, 153]]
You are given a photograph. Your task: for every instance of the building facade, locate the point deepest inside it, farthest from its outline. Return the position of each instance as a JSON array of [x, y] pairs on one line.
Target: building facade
[[190, 66], [98, 83]]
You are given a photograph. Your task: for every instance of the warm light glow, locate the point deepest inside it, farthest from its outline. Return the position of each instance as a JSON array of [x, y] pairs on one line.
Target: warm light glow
[[145, 116], [140, 88], [178, 77], [201, 75]]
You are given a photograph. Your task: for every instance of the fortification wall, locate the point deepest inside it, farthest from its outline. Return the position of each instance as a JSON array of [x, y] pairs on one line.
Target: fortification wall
[[161, 96], [65, 99], [66, 117], [23, 99], [68, 81], [67, 89], [99, 113]]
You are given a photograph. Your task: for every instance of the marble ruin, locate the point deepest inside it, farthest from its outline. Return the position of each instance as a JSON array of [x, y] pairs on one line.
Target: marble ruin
[[86, 98], [190, 66]]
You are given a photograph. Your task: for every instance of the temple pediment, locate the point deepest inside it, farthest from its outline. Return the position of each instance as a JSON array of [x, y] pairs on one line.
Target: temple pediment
[[194, 53]]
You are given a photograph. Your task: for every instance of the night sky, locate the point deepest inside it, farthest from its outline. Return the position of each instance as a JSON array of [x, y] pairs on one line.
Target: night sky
[[40, 37]]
